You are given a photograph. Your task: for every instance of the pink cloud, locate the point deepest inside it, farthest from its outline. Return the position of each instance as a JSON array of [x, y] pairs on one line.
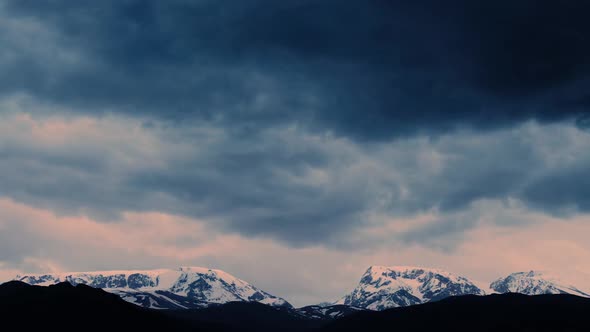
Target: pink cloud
[[302, 275]]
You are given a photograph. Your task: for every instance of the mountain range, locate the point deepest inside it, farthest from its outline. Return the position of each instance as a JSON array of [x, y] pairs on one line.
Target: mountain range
[[380, 288], [383, 287], [182, 288], [66, 307]]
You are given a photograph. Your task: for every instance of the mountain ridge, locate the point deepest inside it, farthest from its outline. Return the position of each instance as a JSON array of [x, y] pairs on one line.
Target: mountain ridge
[[182, 288], [384, 287], [380, 287], [65, 307], [535, 283], [496, 312]]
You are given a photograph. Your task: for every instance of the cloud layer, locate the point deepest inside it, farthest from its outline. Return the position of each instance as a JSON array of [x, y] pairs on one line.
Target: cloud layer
[[149, 133], [285, 183], [372, 71]]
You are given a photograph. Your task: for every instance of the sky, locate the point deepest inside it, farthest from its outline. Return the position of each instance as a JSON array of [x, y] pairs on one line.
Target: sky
[[295, 143]]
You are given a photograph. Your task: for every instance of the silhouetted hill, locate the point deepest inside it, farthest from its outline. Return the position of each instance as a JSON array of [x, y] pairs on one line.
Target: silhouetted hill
[[505, 313], [64, 307], [252, 316]]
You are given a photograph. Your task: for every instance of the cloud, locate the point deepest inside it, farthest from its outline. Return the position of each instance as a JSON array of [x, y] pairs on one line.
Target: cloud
[[557, 191], [287, 183], [368, 72], [50, 243]]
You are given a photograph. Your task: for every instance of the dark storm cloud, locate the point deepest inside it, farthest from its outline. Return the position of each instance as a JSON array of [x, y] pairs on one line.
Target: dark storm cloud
[[561, 191], [368, 70]]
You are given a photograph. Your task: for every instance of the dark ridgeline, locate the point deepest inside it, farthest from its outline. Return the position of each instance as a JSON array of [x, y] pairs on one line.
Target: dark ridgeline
[[498, 312], [64, 307], [249, 316]]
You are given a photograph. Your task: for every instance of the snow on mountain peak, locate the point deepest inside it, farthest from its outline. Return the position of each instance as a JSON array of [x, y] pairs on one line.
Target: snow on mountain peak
[[383, 287], [402, 269], [380, 287], [535, 283], [185, 287]]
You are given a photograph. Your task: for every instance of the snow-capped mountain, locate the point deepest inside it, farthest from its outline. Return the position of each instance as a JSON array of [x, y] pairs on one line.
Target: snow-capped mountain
[[384, 287], [535, 283], [186, 287]]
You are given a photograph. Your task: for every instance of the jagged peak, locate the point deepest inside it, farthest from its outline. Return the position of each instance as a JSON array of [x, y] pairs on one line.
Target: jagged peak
[[530, 274], [536, 282], [383, 287], [197, 269], [377, 271], [404, 268], [150, 272], [535, 274]]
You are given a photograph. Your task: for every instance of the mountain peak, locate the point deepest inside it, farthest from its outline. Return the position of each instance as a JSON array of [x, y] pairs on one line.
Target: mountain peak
[[383, 287], [380, 269], [535, 283], [196, 269], [400, 267]]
